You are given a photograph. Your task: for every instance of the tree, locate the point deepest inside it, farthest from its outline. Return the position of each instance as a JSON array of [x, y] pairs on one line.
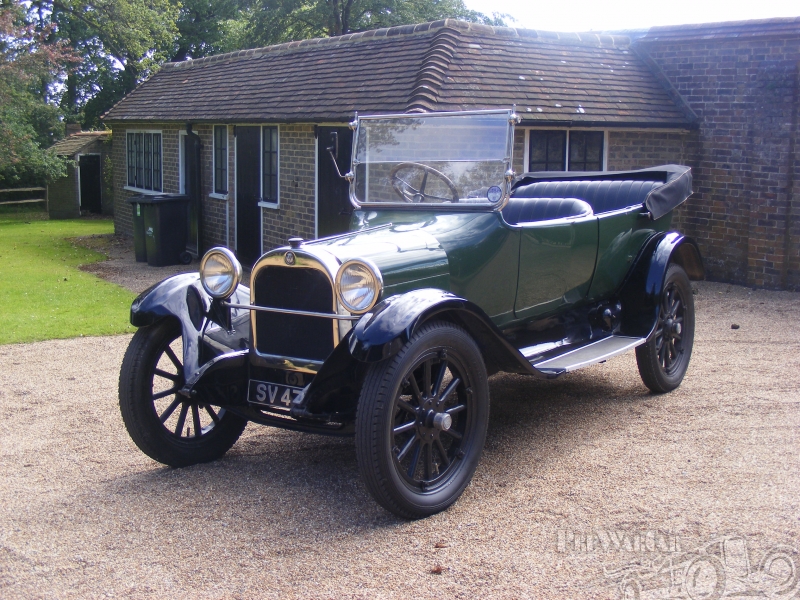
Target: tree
[[203, 27], [121, 42], [29, 122], [275, 21]]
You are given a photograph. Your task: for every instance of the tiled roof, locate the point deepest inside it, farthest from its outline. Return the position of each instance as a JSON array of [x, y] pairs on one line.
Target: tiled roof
[[78, 141], [731, 29], [444, 65]]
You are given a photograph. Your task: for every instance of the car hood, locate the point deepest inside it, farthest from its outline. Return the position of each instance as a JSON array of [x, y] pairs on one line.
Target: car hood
[[408, 257]]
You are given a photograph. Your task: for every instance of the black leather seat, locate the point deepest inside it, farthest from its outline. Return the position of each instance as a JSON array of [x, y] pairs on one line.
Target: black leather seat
[[603, 196], [525, 210]]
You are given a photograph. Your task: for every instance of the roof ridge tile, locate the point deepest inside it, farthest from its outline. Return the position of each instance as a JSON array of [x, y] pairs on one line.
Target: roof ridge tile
[[434, 65], [454, 24]]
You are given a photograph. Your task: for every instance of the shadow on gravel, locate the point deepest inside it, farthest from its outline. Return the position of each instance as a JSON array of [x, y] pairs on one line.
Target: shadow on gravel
[[276, 482]]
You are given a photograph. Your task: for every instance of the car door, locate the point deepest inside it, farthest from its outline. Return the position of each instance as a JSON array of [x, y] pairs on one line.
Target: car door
[[556, 264]]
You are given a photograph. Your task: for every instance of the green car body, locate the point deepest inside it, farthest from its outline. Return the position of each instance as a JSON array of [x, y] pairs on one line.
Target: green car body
[[513, 272]]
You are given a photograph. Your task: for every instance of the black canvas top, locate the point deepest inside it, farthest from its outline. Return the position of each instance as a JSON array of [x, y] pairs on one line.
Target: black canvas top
[[676, 188], [449, 65]]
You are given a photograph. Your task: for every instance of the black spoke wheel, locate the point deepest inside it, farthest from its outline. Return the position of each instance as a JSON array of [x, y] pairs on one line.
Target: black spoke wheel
[[422, 420], [664, 358], [167, 426]]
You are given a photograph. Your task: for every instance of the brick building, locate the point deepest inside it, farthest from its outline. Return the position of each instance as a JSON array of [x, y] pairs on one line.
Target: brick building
[[721, 98]]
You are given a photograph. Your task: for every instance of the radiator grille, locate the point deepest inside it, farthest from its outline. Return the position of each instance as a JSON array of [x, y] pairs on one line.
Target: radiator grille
[[293, 336]]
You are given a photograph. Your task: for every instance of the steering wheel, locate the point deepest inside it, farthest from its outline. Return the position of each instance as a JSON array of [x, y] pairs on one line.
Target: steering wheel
[[411, 194]]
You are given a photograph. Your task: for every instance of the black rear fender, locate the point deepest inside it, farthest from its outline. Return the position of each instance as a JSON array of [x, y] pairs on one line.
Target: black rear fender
[[641, 291]]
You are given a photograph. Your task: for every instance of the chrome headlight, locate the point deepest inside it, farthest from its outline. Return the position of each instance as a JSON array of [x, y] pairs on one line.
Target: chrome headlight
[[358, 285], [220, 273]]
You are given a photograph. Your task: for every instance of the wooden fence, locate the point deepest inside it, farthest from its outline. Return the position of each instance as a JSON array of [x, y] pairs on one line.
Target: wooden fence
[[29, 195]]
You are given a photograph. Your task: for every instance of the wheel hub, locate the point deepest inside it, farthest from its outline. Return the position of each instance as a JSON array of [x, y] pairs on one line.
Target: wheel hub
[[672, 327], [442, 421], [431, 421]]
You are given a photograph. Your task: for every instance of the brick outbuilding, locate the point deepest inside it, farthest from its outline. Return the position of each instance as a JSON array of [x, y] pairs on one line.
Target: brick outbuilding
[[83, 188], [721, 98]]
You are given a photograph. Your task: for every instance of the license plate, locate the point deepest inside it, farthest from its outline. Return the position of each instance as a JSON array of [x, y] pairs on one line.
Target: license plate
[[278, 395]]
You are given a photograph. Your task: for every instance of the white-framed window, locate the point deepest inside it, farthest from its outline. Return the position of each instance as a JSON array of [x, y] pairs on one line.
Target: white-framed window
[[221, 159], [144, 160], [270, 157], [565, 150]]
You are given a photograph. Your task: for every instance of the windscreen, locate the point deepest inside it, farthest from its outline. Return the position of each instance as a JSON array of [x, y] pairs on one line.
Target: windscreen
[[433, 159]]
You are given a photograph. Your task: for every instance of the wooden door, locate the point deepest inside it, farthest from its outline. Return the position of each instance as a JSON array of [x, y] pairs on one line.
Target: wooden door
[[333, 198], [248, 194], [192, 182], [91, 182]]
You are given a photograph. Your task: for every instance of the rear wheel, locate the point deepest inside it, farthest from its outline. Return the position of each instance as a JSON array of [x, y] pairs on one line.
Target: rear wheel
[[422, 420], [170, 428], [664, 357]]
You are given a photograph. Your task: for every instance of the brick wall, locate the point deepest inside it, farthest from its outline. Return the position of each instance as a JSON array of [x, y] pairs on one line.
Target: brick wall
[[62, 196], [123, 212], [628, 150], [744, 213], [295, 215], [213, 217], [519, 151]]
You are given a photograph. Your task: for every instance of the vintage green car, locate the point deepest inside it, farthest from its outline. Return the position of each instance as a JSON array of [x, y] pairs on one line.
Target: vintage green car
[[454, 269]]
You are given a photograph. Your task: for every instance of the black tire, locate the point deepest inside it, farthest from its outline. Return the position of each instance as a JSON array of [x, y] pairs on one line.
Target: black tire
[[161, 422], [403, 438], [185, 258], [664, 357]]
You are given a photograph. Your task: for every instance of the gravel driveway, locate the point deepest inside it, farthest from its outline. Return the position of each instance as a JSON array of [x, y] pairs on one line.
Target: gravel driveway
[[580, 477]]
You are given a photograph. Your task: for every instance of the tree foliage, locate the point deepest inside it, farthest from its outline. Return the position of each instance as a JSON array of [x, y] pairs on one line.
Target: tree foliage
[[121, 43], [29, 122], [275, 21]]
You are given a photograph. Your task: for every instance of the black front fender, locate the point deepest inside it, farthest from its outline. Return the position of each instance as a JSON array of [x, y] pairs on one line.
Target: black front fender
[[382, 332], [182, 297], [393, 322]]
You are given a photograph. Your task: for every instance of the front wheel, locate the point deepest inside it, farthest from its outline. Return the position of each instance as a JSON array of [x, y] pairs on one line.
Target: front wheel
[[664, 357], [168, 427], [421, 422]]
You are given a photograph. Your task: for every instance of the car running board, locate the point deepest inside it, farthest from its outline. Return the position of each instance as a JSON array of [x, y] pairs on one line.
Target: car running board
[[589, 354]]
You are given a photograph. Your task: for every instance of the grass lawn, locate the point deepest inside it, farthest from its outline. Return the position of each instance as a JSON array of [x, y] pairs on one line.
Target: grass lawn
[[43, 295]]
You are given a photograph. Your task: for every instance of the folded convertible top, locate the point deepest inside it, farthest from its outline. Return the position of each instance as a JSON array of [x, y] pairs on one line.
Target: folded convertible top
[[676, 189]]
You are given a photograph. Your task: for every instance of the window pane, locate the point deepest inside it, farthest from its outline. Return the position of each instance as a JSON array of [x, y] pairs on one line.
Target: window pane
[[547, 150], [139, 160], [157, 162], [586, 151], [148, 161], [131, 160], [270, 164], [221, 159]]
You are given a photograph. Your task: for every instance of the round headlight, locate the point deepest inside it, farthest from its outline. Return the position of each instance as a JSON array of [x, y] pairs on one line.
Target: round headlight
[[358, 285], [220, 273]]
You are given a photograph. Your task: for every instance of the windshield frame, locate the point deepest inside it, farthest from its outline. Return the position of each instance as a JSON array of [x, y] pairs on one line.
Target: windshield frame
[[512, 119]]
